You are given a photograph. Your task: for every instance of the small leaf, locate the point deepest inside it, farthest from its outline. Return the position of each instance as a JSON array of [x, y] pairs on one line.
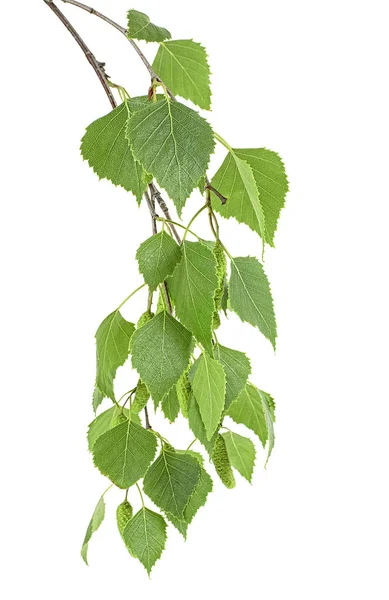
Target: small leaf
[[112, 342], [197, 500], [209, 389], [183, 67], [171, 405], [248, 410], [235, 180], [272, 184], [97, 398], [250, 296], [197, 426], [94, 524], [106, 149], [124, 453], [268, 410], [161, 351], [140, 28], [173, 143], [241, 452], [145, 537], [192, 286], [157, 258], [237, 369], [171, 480], [222, 463]]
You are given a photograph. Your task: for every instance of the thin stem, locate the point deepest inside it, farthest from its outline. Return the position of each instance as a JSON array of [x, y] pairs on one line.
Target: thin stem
[[98, 14], [148, 425], [223, 141], [154, 216], [130, 296], [168, 302], [222, 198], [141, 495], [191, 444], [193, 218], [179, 225], [97, 66]]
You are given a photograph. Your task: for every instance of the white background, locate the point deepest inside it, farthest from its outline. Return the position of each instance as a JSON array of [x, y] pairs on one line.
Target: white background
[[308, 79]]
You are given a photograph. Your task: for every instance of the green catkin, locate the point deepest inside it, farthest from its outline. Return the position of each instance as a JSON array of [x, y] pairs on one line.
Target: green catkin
[[142, 395], [221, 269], [183, 392], [222, 463], [144, 318], [123, 515]]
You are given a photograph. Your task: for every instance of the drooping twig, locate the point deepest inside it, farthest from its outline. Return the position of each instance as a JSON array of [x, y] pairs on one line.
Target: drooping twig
[[96, 65], [122, 30], [222, 198], [156, 194]]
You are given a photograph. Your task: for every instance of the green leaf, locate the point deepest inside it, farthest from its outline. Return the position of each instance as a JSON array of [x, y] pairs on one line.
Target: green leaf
[[272, 183], [124, 453], [94, 524], [112, 347], [161, 351], [241, 452], [97, 398], [209, 389], [171, 405], [173, 143], [197, 500], [235, 180], [197, 426], [140, 28], [106, 149], [268, 407], [145, 537], [192, 287], [250, 296], [183, 67], [157, 257], [248, 410], [237, 369], [171, 480]]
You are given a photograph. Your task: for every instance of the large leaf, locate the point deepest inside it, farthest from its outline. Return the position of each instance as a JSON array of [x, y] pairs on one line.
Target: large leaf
[[183, 67], [106, 149], [173, 143], [94, 524], [241, 452], [250, 296], [209, 389], [171, 480], [237, 368], [248, 410], [235, 180], [192, 287], [145, 537], [157, 258], [139, 27], [124, 453], [161, 351]]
